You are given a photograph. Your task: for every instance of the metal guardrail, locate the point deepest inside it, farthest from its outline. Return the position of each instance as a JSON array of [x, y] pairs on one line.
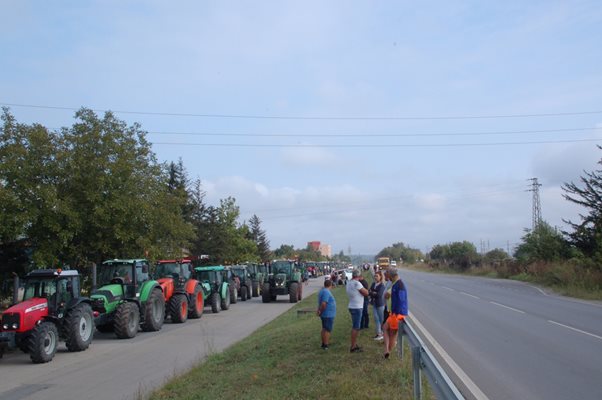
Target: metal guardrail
[[423, 360]]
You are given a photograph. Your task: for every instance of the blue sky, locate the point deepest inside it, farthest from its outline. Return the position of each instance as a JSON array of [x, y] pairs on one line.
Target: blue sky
[[343, 73]]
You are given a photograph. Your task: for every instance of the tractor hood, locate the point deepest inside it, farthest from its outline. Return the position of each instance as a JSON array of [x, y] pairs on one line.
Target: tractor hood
[[106, 295], [22, 316], [167, 286]]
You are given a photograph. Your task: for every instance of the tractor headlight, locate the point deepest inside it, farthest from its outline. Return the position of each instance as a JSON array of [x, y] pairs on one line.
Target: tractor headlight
[[15, 325], [5, 326]]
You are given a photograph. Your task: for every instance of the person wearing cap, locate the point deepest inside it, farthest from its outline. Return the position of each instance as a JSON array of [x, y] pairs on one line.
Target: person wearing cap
[[399, 310], [356, 293], [327, 310]]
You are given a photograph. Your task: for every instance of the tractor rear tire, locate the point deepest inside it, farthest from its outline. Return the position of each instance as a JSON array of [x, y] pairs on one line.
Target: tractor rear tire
[[265, 293], [249, 292], [225, 303], [233, 295], [300, 292], [178, 308], [43, 342], [293, 292], [127, 320], [154, 311], [106, 328], [197, 303], [215, 306], [255, 289], [79, 327], [243, 293]]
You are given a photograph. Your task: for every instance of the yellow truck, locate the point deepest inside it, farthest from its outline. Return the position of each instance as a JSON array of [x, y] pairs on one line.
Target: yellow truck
[[383, 263]]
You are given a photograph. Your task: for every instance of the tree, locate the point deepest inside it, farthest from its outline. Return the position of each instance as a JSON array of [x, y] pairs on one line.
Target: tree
[[457, 255], [259, 236], [285, 251], [495, 256], [587, 235], [399, 251], [543, 243]]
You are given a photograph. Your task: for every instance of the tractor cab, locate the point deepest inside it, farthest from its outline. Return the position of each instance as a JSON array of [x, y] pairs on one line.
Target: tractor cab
[[130, 274], [178, 270], [58, 287]]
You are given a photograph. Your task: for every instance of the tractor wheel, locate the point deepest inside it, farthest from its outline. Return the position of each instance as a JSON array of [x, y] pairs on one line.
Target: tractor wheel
[[215, 306], [249, 292], [106, 328], [255, 289], [243, 293], [79, 327], [293, 292], [43, 341], [265, 293], [225, 304], [196, 303], [300, 292], [127, 320], [154, 311], [23, 343], [233, 295], [178, 308]]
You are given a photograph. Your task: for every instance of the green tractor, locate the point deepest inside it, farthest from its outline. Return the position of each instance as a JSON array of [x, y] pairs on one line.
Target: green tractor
[[246, 284], [127, 299], [215, 289], [284, 279], [256, 279]]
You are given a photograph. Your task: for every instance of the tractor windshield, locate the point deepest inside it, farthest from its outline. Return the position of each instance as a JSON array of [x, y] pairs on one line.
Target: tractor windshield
[[282, 267], [39, 287], [240, 272], [173, 269], [108, 272], [208, 276]]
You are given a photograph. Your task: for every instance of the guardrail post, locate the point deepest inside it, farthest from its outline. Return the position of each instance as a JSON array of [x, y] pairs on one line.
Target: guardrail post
[[417, 374], [400, 335]]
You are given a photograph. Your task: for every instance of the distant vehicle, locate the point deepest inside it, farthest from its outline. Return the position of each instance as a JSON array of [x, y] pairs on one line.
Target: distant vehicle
[[383, 262], [393, 263]]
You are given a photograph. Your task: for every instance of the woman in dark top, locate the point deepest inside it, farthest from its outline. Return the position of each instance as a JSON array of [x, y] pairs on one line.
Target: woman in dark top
[[377, 299]]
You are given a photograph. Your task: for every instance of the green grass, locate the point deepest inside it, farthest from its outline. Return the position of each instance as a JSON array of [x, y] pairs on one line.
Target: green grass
[[283, 360]]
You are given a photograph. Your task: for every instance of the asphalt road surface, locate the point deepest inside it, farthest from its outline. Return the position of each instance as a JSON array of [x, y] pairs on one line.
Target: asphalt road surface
[[513, 340], [116, 369]]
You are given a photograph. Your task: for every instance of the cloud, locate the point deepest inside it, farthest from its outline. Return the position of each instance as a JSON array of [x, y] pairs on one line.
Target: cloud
[[308, 157]]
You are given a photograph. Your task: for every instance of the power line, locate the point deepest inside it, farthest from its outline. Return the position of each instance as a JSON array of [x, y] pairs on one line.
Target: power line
[[323, 135], [288, 117], [376, 145]]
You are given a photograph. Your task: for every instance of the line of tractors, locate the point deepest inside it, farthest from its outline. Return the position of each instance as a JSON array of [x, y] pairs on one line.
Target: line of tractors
[[48, 305]]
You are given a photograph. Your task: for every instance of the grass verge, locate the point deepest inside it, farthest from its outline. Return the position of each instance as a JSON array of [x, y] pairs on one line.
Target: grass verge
[[283, 360]]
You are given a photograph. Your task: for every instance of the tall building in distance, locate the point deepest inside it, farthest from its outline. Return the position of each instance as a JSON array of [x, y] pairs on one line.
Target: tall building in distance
[[324, 249]]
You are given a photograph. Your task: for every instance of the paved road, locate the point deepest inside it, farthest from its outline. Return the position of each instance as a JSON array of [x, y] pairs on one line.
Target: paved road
[[513, 340], [115, 369]]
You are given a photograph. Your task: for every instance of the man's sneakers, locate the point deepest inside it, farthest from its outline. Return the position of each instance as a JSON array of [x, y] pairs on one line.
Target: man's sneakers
[[324, 346], [378, 337], [356, 349]]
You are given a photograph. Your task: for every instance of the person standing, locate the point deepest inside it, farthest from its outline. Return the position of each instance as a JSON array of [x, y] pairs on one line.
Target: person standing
[[365, 324], [327, 310], [398, 312], [377, 299], [356, 293]]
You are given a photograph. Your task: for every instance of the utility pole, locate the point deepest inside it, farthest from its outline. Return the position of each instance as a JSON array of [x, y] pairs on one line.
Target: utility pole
[[536, 214]]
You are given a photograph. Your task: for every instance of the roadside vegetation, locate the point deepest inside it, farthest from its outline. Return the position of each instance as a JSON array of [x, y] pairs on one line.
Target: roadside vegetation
[[283, 360]]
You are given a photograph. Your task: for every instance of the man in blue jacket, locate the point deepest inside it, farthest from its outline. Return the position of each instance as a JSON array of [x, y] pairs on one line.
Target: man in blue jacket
[[398, 311]]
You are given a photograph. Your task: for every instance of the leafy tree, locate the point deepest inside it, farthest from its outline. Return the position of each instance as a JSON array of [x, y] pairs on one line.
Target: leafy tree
[[285, 251], [543, 243], [587, 235], [399, 251], [495, 256], [457, 255]]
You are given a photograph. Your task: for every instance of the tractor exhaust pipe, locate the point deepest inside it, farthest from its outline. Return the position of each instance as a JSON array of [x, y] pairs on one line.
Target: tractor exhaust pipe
[[15, 288], [93, 277]]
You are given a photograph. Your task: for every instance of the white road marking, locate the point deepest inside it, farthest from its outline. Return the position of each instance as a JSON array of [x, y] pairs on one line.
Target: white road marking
[[470, 295], [509, 308], [462, 376], [448, 288], [575, 329]]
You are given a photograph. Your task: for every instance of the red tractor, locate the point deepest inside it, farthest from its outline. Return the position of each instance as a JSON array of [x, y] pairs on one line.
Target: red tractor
[[52, 308], [183, 294]]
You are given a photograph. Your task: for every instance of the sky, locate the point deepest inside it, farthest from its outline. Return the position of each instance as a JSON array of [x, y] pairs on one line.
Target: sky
[[358, 124]]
